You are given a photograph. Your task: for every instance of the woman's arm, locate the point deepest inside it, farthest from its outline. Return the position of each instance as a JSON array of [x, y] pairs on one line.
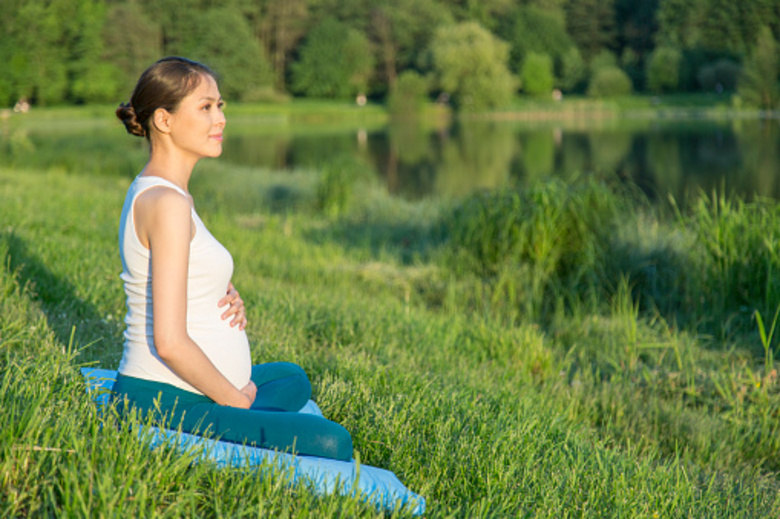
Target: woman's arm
[[163, 220]]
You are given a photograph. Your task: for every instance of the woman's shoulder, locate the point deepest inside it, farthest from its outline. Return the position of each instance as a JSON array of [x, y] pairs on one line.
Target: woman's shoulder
[[162, 200], [155, 192], [163, 211]]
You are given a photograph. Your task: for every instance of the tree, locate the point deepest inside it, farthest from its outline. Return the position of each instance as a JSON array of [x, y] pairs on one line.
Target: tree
[[135, 47], [591, 24], [37, 50], [487, 13], [637, 27], [573, 70], [663, 69], [281, 25], [175, 19], [470, 64], [221, 38], [335, 61], [758, 84], [721, 27], [92, 79], [678, 23], [9, 26], [537, 30], [401, 30], [537, 74], [637, 24]]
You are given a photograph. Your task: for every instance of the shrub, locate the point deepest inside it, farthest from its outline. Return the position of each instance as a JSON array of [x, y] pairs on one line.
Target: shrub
[[721, 75], [537, 74], [608, 82], [739, 261], [604, 59], [409, 93], [337, 185], [663, 69], [549, 239]]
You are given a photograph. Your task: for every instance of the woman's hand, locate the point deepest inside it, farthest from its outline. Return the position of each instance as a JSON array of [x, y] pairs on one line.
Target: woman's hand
[[235, 309], [250, 392]]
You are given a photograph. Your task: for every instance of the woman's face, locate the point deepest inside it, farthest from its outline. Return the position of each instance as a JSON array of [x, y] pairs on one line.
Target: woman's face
[[196, 126]]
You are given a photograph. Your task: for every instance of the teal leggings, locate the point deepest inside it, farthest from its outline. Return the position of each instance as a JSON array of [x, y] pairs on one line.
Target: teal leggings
[[271, 423]]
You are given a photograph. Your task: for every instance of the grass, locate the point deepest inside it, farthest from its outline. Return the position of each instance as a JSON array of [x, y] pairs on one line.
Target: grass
[[679, 106], [562, 351]]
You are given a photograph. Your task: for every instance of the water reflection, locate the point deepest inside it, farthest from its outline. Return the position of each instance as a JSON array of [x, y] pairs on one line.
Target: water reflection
[[680, 158], [662, 157]]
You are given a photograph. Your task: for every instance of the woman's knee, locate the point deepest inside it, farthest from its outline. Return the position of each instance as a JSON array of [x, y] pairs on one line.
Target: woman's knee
[[269, 371], [281, 385], [337, 443]]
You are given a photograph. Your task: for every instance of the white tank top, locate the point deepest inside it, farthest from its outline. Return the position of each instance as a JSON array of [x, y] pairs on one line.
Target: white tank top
[[210, 271]]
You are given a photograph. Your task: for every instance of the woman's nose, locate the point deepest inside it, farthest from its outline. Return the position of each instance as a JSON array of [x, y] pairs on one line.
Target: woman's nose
[[220, 119]]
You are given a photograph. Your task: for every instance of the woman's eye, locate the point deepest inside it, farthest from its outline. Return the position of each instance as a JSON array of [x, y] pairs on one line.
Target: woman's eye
[[207, 107]]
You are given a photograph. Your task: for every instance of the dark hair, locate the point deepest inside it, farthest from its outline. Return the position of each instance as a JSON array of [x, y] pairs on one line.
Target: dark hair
[[163, 85]]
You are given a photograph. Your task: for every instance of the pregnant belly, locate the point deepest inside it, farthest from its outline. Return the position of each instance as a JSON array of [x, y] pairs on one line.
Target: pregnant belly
[[227, 347]]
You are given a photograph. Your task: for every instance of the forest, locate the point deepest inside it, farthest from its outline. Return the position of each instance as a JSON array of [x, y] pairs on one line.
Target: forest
[[475, 54]]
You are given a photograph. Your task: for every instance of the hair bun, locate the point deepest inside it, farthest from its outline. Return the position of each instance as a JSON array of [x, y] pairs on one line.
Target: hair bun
[[126, 114]]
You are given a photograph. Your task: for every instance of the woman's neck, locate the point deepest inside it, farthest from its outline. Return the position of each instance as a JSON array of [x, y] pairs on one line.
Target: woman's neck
[[170, 166]]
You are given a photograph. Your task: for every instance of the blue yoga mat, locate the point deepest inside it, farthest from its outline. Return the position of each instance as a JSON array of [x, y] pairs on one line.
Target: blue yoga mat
[[325, 476]]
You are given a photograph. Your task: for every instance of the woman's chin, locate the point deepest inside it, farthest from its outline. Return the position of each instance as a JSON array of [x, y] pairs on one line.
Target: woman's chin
[[214, 153]]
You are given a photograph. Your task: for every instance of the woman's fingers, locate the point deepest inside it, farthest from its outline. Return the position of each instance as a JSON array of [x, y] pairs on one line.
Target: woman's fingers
[[230, 296], [250, 391], [236, 308]]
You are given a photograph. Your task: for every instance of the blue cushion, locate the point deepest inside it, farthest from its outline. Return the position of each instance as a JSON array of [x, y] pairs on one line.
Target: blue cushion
[[325, 476]]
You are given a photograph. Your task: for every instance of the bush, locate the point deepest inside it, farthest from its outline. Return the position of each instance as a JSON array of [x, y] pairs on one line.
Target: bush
[[336, 187], [739, 261], [609, 82], [663, 69], [604, 59], [409, 93], [550, 239], [719, 76], [537, 74]]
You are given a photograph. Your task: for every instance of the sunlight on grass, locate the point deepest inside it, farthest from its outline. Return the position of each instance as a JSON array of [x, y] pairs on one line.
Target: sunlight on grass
[[566, 350]]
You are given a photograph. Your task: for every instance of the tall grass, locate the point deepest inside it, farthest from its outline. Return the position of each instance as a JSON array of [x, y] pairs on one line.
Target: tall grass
[[709, 269], [534, 245], [556, 352]]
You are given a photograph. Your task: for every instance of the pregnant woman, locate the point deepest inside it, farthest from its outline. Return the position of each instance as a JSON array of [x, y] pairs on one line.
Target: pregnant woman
[[186, 354]]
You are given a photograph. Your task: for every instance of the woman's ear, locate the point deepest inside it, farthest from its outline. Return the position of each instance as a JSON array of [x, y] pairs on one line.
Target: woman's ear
[[162, 120]]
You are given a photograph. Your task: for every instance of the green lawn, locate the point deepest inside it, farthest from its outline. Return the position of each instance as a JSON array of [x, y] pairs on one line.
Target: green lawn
[[568, 351]]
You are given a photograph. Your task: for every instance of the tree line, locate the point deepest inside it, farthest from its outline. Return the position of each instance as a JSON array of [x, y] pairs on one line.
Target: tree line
[[476, 54]]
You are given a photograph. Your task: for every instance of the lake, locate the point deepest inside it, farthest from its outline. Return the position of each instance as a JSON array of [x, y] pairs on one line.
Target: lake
[[662, 156]]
